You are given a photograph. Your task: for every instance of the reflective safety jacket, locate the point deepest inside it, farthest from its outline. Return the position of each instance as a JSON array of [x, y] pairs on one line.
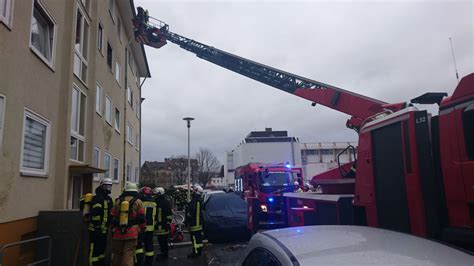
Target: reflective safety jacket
[[150, 213], [163, 215], [194, 214], [136, 217], [101, 206]]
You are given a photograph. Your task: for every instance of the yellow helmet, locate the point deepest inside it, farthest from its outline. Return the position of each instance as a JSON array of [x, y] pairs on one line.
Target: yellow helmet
[[131, 187]]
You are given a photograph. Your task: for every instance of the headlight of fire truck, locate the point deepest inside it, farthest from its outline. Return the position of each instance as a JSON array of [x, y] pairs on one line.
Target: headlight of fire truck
[[263, 208]]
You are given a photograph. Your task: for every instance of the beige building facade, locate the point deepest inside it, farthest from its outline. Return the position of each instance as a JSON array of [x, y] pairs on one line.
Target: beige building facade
[[70, 76]]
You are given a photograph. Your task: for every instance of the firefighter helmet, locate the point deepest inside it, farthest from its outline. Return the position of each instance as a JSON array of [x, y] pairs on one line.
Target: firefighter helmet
[[106, 181], [159, 191], [131, 187]]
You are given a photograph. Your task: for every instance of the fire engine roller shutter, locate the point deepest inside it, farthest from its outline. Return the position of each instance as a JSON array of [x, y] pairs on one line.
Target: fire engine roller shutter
[[389, 178], [432, 184]]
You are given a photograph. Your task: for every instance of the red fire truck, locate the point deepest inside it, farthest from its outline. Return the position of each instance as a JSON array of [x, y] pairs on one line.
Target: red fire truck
[[414, 171], [262, 187]]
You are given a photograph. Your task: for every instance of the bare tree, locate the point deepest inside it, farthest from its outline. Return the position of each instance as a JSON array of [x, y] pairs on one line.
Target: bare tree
[[208, 165]]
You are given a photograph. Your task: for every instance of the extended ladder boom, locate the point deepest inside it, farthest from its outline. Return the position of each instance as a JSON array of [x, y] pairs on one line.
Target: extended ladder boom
[[358, 106]]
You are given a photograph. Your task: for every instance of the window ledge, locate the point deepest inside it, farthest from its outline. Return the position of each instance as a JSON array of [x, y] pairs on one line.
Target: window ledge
[[110, 123], [118, 131], [99, 114], [83, 82], [115, 181], [26, 173], [42, 58], [6, 23]]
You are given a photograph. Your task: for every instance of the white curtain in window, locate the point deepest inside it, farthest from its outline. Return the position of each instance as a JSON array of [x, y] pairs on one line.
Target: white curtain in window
[[40, 34], [34, 144]]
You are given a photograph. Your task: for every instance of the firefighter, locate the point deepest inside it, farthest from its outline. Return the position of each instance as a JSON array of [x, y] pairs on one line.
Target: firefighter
[[297, 187], [99, 220], [164, 216], [128, 217], [193, 220], [150, 217]]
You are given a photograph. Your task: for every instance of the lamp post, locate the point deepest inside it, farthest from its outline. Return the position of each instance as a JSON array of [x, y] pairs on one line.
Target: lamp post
[[188, 120]]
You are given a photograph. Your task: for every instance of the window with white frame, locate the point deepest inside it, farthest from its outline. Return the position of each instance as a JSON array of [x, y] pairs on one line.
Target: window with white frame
[[43, 31], [112, 9], [110, 54], [117, 120], [137, 142], [116, 169], [78, 115], [129, 172], [107, 165], [129, 133], [119, 29], [117, 71], [35, 145], [130, 96], [100, 38], [137, 109], [86, 4], [108, 110], [95, 161], [6, 11], [81, 45], [98, 99], [137, 177]]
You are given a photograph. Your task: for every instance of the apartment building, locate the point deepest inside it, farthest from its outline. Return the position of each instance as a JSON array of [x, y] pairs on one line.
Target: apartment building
[[70, 98]]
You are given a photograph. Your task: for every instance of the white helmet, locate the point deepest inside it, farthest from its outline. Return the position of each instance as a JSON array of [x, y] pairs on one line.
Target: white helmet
[[106, 181], [296, 183], [159, 191], [198, 189]]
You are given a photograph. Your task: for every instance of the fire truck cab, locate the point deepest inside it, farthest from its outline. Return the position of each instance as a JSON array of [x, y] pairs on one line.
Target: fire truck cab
[[262, 187]]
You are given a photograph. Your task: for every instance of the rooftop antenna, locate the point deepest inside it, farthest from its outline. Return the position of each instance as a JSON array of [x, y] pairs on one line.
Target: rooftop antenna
[[454, 59]]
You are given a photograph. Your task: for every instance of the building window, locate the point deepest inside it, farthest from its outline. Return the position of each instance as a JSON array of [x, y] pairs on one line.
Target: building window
[[137, 109], [95, 161], [130, 134], [117, 120], [107, 165], [109, 56], [86, 4], [100, 38], [2, 117], [112, 9], [117, 71], [137, 142], [137, 177], [129, 172], [35, 145], [116, 169], [6, 11], [43, 30], [468, 128], [119, 29], [108, 110], [130, 96], [81, 46], [98, 99], [78, 115]]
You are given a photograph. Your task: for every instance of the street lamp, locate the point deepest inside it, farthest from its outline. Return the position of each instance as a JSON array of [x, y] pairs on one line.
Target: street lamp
[[188, 120]]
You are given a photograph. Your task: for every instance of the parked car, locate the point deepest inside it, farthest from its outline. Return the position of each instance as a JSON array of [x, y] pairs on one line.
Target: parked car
[[347, 245], [207, 194], [225, 218]]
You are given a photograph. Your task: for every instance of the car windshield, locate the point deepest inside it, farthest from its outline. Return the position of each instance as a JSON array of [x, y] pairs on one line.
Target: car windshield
[[275, 179]]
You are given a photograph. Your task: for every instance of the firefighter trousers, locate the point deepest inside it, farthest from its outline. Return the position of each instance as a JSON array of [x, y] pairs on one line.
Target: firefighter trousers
[[163, 242], [148, 244], [139, 250], [123, 252], [98, 241], [196, 239]]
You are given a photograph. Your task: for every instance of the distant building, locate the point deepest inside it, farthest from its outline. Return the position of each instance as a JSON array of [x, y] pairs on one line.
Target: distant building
[[173, 171], [277, 147], [217, 182]]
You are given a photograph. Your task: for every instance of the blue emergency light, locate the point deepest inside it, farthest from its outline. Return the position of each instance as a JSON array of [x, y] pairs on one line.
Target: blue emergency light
[[270, 200]]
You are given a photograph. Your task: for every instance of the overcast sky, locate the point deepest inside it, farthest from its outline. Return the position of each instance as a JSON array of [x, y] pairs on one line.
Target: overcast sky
[[392, 51]]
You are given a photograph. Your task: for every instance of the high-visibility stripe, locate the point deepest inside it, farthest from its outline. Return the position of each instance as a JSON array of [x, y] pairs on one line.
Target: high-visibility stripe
[[97, 205], [90, 253], [150, 228], [162, 232], [195, 228], [149, 254], [96, 218], [194, 245], [139, 251], [102, 256], [198, 211], [106, 212]]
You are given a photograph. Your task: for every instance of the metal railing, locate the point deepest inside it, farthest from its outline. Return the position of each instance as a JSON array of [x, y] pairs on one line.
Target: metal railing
[[48, 259]]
